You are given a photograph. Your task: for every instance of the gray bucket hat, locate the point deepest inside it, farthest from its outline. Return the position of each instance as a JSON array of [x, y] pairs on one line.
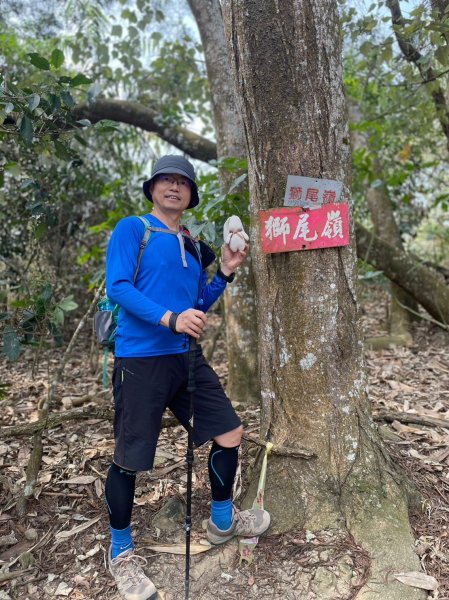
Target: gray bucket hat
[[173, 163]]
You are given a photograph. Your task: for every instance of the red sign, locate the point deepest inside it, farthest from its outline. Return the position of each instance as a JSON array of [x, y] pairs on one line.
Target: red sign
[[296, 228]]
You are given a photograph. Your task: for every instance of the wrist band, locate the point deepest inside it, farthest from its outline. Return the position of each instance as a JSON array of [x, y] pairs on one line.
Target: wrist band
[[172, 322], [228, 278]]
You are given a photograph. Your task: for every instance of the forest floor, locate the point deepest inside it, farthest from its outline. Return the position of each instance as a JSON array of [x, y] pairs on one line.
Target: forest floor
[[59, 547]]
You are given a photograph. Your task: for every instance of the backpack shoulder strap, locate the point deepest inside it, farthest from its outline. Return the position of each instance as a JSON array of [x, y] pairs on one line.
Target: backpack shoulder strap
[[143, 244]]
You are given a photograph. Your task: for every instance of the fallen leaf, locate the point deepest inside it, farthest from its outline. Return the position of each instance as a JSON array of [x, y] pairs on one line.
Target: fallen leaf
[[98, 487], [63, 589], [63, 535], [416, 579], [180, 548], [90, 553], [81, 480]]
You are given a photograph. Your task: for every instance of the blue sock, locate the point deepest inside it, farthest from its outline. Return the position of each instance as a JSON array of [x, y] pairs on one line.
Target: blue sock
[[221, 513], [121, 540]]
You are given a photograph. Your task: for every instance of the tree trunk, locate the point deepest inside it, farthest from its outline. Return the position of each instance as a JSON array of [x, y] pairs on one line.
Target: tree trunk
[[424, 284], [385, 226], [240, 312], [286, 61]]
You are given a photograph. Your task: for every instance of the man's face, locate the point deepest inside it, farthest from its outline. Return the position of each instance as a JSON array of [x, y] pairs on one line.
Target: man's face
[[171, 191]]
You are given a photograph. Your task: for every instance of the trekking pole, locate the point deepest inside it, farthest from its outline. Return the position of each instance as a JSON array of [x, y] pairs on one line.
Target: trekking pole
[[189, 458]]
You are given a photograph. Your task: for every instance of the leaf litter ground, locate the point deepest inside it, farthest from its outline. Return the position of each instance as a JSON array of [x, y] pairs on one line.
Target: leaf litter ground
[[59, 548]]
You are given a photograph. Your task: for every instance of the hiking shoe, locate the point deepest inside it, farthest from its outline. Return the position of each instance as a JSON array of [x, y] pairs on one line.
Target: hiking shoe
[[245, 523], [132, 583]]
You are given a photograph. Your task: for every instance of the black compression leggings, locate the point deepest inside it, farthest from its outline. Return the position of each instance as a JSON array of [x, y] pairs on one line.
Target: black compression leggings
[[119, 493]]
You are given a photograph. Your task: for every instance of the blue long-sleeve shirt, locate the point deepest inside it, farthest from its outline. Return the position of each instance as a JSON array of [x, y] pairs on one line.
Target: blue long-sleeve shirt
[[162, 284]]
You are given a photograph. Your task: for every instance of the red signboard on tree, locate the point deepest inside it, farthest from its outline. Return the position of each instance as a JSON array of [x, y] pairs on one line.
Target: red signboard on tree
[[296, 228]]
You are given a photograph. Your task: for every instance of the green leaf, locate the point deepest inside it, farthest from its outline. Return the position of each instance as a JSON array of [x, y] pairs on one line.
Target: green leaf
[[67, 304], [57, 58], [84, 122], [67, 98], [39, 61], [106, 125], [62, 151], [13, 168], [33, 101], [40, 231], [156, 36], [442, 55], [26, 129], [237, 182], [55, 102], [58, 316], [117, 30], [11, 343], [79, 79], [129, 15]]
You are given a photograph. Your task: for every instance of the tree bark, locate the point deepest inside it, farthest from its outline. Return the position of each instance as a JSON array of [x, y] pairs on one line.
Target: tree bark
[[286, 61], [424, 284], [243, 380]]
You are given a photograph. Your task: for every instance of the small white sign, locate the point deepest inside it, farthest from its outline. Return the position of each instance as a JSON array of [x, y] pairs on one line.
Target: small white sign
[[311, 193]]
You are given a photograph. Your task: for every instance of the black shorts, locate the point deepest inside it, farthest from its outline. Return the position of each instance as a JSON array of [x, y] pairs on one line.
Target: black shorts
[[145, 387]]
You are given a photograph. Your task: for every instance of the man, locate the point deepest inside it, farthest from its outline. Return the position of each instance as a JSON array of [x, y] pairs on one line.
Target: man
[[159, 312]]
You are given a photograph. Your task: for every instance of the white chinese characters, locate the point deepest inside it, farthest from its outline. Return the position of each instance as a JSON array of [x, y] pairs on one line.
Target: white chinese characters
[[334, 225], [275, 226], [330, 225], [302, 229]]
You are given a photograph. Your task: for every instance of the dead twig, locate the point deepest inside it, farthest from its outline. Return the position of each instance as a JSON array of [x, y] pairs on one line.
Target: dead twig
[[57, 419], [281, 450], [14, 575], [389, 417]]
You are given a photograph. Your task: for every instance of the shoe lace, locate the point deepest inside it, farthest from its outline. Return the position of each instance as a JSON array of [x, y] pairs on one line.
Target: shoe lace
[[131, 566]]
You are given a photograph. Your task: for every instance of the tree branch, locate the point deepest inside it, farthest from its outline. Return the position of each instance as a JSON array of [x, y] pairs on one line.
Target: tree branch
[[427, 287], [413, 55], [133, 113]]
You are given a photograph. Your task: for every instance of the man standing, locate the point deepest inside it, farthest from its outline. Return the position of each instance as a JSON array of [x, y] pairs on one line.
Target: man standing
[[159, 312]]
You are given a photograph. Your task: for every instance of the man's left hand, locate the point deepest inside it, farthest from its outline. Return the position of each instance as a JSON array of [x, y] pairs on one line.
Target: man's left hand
[[231, 260]]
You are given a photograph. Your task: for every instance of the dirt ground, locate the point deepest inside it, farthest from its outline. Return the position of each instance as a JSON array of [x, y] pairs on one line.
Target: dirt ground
[[59, 547]]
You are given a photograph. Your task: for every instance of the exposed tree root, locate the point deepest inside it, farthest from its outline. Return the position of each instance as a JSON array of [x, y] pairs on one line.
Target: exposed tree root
[[384, 342]]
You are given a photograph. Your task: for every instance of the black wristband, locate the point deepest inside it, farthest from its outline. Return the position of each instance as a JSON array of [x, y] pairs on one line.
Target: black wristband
[[172, 322], [227, 278]]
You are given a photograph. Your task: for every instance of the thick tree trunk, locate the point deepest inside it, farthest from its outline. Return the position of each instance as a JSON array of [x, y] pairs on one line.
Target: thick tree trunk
[[240, 311], [286, 59]]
